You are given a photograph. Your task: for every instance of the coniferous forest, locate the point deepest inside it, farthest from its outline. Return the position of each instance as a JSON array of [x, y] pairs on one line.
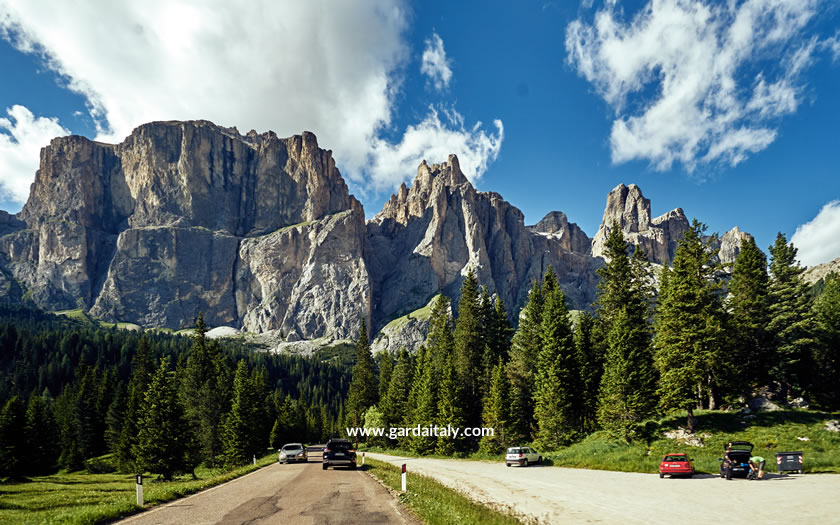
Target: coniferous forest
[[691, 336], [73, 394]]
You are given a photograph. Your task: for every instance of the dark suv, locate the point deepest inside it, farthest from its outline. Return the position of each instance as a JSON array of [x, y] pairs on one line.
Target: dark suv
[[339, 452], [736, 461]]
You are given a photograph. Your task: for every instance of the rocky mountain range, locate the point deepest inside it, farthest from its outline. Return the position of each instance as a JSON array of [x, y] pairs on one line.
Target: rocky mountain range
[[260, 233]]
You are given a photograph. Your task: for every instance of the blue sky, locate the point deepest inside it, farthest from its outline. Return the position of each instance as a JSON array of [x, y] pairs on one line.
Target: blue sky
[[726, 109]]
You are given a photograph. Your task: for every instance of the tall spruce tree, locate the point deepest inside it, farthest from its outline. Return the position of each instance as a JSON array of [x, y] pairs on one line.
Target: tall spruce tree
[[627, 385], [424, 394], [241, 436], [395, 402], [558, 372], [496, 411], [13, 442], [749, 305], [826, 391], [469, 349], [791, 322], [525, 347], [386, 368], [141, 376], [206, 393], [591, 361], [450, 411], [164, 437], [692, 354], [364, 391], [42, 435]]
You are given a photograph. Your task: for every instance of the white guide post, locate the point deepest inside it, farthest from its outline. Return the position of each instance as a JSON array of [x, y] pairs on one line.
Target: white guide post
[[403, 477], [139, 487]]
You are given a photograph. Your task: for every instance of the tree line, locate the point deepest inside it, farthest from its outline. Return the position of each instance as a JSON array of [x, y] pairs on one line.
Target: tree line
[[693, 335], [83, 397]]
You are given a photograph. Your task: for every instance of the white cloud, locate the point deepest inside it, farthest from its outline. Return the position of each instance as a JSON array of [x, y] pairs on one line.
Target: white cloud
[[333, 68], [434, 139], [833, 45], [435, 64], [22, 136], [818, 240], [675, 75]]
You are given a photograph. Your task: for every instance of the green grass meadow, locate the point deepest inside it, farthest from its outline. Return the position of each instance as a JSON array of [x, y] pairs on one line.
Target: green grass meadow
[[435, 503], [85, 498]]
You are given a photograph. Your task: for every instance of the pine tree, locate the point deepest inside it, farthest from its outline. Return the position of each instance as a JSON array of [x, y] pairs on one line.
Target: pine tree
[[386, 368], [42, 435], [497, 334], [525, 347], [241, 437], [450, 412], [496, 411], [469, 349], [164, 437], [142, 370], [791, 323], [205, 393], [826, 392], [556, 379], [749, 305], [591, 361], [692, 355], [363, 391], [626, 391], [395, 402], [424, 394], [13, 443]]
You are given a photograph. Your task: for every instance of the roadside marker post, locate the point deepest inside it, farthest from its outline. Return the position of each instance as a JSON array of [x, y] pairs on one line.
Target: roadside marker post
[[363, 459], [139, 487], [403, 477], [255, 460]]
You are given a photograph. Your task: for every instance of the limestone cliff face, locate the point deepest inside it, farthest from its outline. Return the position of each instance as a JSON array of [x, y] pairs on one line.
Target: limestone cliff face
[[658, 237], [162, 226], [571, 237], [427, 237]]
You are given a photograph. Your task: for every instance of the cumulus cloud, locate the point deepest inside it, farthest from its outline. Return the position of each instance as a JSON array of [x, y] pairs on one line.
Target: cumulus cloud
[[22, 136], [818, 241], [434, 139], [695, 82], [435, 65], [333, 68]]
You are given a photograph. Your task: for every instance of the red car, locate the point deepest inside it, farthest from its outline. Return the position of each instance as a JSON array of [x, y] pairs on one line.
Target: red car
[[676, 465]]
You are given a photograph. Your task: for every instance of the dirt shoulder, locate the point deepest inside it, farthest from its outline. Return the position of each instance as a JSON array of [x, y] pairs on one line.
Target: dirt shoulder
[[562, 495]]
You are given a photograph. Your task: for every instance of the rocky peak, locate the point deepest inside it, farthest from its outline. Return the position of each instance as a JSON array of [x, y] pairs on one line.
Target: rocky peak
[[631, 210], [729, 244], [627, 206], [430, 184], [556, 224]]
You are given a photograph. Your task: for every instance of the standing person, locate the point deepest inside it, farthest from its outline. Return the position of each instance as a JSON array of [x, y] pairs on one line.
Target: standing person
[[757, 463], [727, 461]]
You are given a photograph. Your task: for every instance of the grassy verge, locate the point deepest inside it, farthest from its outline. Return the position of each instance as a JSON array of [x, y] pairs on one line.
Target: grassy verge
[[435, 503], [84, 498], [770, 432]]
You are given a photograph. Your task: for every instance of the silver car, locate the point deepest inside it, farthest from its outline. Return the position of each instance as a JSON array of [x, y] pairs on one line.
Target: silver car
[[522, 456], [292, 452]]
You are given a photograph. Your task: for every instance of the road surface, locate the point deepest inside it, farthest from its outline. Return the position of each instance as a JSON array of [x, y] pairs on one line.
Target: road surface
[[572, 496], [300, 493]]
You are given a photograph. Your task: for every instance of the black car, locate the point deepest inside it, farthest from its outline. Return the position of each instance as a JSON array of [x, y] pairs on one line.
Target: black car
[[339, 452], [736, 461]]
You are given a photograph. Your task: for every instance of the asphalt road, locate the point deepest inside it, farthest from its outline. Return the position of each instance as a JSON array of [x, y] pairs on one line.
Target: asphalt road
[[572, 496], [300, 493]]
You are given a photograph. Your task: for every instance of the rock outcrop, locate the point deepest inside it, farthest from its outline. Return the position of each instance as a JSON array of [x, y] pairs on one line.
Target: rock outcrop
[[658, 237], [188, 217], [627, 207], [820, 271], [260, 233], [427, 237], [555, 224]]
